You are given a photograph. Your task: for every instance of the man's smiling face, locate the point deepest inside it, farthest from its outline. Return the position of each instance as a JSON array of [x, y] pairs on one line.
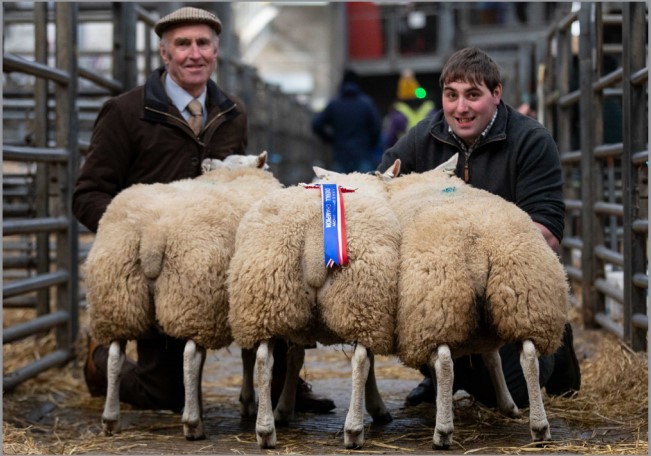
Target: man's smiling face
[[469, 108]]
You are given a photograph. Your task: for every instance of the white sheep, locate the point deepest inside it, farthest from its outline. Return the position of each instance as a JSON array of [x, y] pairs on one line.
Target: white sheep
[[279, 287], [475, 273], [160, 257]]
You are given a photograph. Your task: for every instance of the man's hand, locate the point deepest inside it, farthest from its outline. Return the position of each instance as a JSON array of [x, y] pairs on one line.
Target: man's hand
[[552, 241]]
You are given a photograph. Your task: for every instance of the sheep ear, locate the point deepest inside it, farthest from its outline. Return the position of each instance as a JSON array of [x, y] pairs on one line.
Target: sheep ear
[[262, 160], [391, 172], [321, 173], [449, 166], [394, 169]]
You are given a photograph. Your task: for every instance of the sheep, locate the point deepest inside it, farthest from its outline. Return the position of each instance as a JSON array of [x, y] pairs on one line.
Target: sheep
[[160, 257], [279, 287], [475, 273]]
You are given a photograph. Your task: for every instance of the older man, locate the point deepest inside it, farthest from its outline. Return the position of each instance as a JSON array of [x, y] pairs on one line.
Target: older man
[[161, 132]]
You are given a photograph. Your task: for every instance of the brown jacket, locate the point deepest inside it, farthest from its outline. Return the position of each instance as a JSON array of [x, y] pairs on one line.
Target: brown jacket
[[141, 137]]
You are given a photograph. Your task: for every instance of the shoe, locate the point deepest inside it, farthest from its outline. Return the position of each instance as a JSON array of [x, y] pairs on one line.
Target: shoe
[[306, 401], [424, 392], [95, 381], [566, 377]]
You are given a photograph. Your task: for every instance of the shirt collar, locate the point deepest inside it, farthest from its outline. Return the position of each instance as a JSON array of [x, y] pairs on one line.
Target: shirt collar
[[482, 135], [181, 98]]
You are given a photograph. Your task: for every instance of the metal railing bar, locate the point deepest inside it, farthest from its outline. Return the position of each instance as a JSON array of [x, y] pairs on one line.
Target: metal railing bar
[[35, 225], [640, 321], [641, 226], [573, 205], [34, 283], [11, 63], [28, 328], [608, 80], [604, 253], [640, 77], [56, 358], [604, 208], [38, 154], [110, 84], [608, 324], [574, 273], [640, 280], [609, 150], [610, 291]]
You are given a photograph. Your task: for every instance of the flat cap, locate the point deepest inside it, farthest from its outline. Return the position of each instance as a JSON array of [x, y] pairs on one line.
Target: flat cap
[[188, 15]]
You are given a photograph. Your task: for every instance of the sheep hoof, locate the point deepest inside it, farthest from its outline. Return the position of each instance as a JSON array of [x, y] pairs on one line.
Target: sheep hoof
[[266, 439], [442, 440], [512, 412], [382, 418], [193, 431], [110, 426], [540, 434], [354, 438]]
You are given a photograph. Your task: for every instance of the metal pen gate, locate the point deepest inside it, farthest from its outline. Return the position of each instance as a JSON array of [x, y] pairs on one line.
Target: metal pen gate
[[596, 105]]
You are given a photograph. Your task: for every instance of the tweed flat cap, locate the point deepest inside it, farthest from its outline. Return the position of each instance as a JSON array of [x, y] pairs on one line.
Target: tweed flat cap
[[188, 15]]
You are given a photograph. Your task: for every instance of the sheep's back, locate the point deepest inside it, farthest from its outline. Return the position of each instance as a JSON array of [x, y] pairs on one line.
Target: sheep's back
[[360, 301], [267, 294], [117, 292], [483, 259], [191, 297]]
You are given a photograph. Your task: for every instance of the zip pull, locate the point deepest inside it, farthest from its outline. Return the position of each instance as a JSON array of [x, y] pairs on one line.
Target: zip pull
[[466, 173]]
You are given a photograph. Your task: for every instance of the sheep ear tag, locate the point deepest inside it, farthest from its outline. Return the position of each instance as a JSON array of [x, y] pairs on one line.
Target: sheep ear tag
[[334, 223]]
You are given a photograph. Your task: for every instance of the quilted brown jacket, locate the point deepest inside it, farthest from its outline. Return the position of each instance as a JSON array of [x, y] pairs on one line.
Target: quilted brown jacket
[[141, 137]]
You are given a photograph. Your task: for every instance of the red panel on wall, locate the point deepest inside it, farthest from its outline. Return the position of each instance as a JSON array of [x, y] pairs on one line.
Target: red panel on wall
[[364, 31]]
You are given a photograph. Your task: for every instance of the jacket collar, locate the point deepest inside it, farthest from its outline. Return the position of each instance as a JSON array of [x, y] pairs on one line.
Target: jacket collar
[[156, 98]]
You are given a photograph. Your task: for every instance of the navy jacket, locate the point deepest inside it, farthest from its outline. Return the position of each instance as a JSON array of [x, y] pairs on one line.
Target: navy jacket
[[351, 123], [517, 160]]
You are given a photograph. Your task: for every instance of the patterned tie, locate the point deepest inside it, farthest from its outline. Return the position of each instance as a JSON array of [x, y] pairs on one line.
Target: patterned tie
[[196, 119]]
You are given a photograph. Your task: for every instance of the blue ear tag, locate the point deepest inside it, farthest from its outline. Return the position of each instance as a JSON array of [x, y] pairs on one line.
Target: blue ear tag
[[449, 190]]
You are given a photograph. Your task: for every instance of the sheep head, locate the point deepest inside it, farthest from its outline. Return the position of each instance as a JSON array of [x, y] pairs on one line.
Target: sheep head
[[324, 174], [235, 161]]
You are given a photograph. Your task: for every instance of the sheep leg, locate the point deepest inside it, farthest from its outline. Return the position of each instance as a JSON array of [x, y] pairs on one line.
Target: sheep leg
[[374, 403], [111, 414], [286, 402], [537, 416], [265, 429], [193, 359], [354, 427], [441, 364], [247, 393], [505, 401]]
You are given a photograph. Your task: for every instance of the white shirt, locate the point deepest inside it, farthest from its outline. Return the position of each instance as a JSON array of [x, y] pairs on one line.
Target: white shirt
[[181, 98]]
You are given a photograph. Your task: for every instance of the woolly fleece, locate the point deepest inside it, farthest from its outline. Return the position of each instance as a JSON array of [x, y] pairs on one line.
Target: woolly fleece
[[161, 254], [280, 287], [475, 272]]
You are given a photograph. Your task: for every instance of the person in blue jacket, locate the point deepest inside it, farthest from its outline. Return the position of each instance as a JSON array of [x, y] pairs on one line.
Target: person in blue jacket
[[351, 124], [508, 154]]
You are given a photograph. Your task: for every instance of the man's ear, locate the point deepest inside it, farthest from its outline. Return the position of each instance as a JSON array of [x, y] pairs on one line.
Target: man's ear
[[497, 93], [162, 52]]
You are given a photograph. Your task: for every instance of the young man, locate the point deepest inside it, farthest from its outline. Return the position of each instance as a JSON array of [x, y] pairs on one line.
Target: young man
[[161, 132], [510, 155]]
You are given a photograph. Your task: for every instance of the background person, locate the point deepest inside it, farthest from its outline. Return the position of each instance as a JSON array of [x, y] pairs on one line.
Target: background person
[[351, 124], [411, 107]]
